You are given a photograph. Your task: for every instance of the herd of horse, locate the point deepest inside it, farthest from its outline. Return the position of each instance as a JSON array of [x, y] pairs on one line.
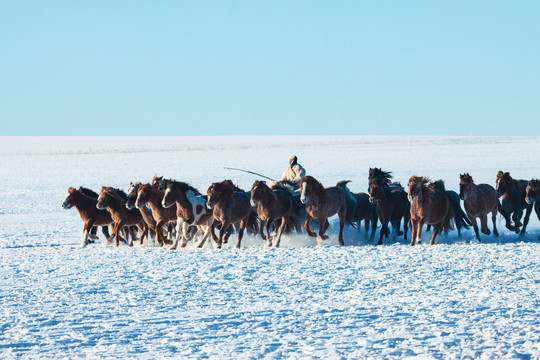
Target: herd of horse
[[174, 212]]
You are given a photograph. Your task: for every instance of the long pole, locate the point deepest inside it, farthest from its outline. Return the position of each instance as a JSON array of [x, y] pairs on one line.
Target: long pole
[[247, 171]]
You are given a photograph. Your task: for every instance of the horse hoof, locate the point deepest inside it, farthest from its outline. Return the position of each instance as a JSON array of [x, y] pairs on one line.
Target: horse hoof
[[341, 243], [324, 237]]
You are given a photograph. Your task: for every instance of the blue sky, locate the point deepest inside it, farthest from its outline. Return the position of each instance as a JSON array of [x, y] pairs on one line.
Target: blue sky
[[275, 67]]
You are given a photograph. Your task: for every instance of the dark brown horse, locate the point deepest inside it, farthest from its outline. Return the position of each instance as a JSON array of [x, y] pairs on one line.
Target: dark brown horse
[[230, 207], [89, 213], [479, 200], [391, 203], [321, 204], [114, 200], [191, 210], [147, 194], [513, 202], [428, 206], [272, 205], [460, 218], [93, 232], [533, 196], [358, 207]]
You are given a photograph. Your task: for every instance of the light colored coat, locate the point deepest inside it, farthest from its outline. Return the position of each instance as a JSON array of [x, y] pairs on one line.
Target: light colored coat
[[294, 173]]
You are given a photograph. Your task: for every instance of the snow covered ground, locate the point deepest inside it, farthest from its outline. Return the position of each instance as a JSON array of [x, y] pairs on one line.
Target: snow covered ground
[[459, 298]]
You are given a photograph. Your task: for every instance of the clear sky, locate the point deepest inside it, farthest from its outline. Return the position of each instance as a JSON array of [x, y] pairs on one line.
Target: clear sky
[[269, 67]]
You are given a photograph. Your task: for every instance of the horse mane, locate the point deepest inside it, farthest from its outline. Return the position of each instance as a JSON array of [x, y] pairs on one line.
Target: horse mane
[[90, 193], [343, 184], [438, 185], [396, 184], [185, 187], [236, 188], [466, 178], [318, 188], [377, 174], [160, 183], [117, 193], [284, 185]]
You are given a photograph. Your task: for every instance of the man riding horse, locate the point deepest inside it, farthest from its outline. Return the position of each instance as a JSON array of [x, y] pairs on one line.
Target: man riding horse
[[294, 172]]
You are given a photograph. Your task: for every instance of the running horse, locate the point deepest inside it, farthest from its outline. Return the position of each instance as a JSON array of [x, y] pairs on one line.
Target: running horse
[[190, 210], [147, 194], [146, 212], [114, 200], [479, 200], [533, 196], [428, 206], [513, 202], [272, 205], [391, 203], [321, 204], [358, 207], [230, 206], [89, 213], [460, 218]]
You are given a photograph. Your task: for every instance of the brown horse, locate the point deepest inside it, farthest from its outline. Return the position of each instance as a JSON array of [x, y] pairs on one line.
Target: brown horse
[[272, 204], [190, 210], [93, 232], [513, 202], [146, 212], [321, 204], [89, 213], [230, 207], [391, 204], [114, 200], [147, 194], [460, 218], [533, 196], [479, 200], [428, 206], [358, 207]]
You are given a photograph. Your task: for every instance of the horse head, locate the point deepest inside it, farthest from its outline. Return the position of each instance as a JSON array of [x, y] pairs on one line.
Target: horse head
[[69, 200], [132, 195], [465, 183], [377, 174], [416, 185], [143, 195], [221, 191], [258, 190], [533, 190], [311, 190], [503, 182], [104, 198]]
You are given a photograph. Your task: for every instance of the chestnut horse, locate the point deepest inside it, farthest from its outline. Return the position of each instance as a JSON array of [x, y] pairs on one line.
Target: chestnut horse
[[114, 200], [93, 233], [533, 196], [272, 204], [321, 204], [230, 207], [147, 194], [146, 211], [513, 201], [190, 210], [358, 207], [391, 204], [89, 213], [428, 206], [479, 200]]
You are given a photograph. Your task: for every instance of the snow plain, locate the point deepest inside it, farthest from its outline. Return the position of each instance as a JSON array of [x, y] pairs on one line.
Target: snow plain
[[457, 299]]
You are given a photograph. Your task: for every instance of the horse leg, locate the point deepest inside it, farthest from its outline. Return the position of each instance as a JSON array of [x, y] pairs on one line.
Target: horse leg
[[86, 230], [241, 232], [93, 237], [120, 226], [384, 229], [322, 229], [261, 229], [475, 226], [281, 228], [414, 230], [528, 212], [306, 226], [506, 217], [436, 229], [179, 223], [159, 232], [268, 235], [420, 225], [228, 234], [212, 230], [224, 227], [483, 224], [144, 233], [341, 226], [494, 220]]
